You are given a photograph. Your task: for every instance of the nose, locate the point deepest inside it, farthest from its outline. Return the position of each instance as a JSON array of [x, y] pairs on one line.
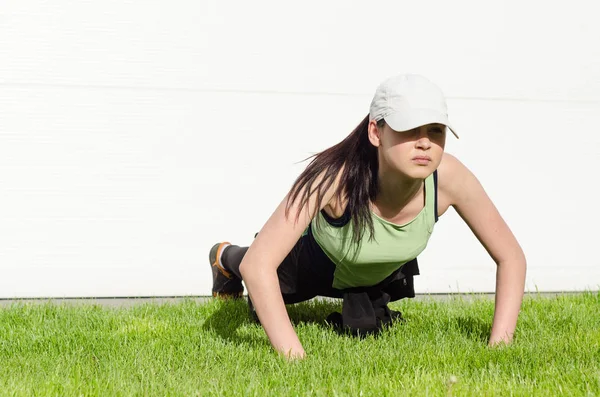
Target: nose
[[423, 142]]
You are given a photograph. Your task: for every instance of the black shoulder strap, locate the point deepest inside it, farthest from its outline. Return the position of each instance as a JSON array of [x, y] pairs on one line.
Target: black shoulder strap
[[435, 199], [338, 222]]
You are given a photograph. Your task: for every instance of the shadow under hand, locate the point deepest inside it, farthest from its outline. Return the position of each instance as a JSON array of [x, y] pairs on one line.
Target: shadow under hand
[[231, 315], [473, 328], [228, 318]]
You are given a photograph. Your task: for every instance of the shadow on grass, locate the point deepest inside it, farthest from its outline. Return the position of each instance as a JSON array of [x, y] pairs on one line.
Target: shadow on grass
[[233, 314], [314, 311], [473, 328], [230, 315]]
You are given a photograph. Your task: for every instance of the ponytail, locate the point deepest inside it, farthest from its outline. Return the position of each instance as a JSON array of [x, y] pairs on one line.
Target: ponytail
[[358, 181]]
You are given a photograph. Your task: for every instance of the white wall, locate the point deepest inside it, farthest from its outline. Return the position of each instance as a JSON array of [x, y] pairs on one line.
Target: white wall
[[134, 135]]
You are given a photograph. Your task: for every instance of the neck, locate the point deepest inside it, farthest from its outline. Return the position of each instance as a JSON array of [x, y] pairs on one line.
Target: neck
[[396, 190]]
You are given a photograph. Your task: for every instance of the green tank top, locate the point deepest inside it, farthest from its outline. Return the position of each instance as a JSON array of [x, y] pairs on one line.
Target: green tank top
[[370, 262]]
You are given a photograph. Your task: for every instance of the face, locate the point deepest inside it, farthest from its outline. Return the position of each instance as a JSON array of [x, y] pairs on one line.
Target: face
[[415, 153]]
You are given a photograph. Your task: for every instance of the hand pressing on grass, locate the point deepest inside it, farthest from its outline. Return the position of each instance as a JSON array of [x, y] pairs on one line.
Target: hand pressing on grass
[[294, 355], [499, 342]]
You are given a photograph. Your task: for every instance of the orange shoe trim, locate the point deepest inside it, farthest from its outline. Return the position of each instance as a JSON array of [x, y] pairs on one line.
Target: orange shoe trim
[[219, 252]]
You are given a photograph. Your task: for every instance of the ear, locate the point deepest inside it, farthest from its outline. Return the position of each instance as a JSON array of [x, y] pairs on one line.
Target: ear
[[374, 133]]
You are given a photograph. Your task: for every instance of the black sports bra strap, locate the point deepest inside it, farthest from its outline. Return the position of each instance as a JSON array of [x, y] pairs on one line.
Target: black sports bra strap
[[337, 222], [435, 194]]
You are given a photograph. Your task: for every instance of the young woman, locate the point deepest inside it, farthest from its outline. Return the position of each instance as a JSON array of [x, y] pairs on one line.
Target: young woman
[[356, 219]]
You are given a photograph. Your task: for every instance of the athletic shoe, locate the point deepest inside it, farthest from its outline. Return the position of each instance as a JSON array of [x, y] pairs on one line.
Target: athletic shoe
[[226, 285]]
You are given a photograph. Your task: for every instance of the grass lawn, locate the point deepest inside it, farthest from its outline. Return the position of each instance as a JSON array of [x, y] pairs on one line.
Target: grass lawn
[[198, 349]]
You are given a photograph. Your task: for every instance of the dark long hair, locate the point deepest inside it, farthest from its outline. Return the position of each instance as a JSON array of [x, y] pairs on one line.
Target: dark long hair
[[358, 181]]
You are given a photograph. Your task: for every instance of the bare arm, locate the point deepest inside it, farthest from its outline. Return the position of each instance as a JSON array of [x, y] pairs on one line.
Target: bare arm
[[472, 203], [259, 271]]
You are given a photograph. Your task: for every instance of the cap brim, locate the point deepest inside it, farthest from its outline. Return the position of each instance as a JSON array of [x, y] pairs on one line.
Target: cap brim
[[403, 121]]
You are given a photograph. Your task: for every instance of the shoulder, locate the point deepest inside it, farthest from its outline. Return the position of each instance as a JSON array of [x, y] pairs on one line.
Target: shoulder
[[455, 180], [450, 166]]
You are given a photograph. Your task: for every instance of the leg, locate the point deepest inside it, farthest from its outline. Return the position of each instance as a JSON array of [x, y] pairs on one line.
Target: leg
[[305, 272]]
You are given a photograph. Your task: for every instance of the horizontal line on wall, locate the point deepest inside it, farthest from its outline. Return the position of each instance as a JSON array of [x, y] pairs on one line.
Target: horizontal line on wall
[[141, 299], [275, 92]]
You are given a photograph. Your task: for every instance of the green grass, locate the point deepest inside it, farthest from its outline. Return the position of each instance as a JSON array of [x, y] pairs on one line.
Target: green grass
[[213, 348]]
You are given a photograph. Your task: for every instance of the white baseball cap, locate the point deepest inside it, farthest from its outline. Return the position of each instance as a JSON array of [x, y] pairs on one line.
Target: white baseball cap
[[408, 101]]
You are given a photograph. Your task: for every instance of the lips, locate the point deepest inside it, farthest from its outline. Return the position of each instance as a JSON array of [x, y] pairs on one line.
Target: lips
[[422, 160]]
